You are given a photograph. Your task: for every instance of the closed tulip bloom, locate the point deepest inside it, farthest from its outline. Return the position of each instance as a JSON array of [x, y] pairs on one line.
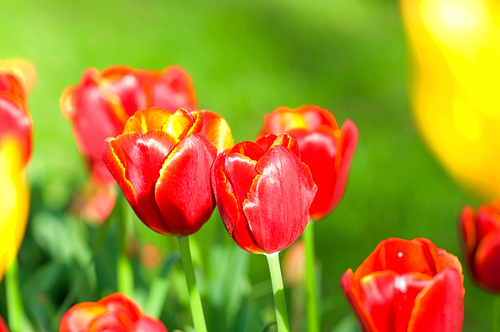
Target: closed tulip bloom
[[408, 286], [3, 326], [263, 192], [103, 101], [162, 163], [325, 148], [115, 312], [480, 238]]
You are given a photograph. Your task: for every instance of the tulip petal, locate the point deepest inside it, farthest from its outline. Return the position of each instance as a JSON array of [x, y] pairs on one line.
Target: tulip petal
[[248, 149], [486, 262], [467, 230], [439, 307], [183, 191], [135, 161], [79, 317], [269, 141], [310, 117], [351, 291], [241, 172], [173, 89], [318, 150], [216, 128], [398, 255], [224, 194], [145, 120], [288, 184], [148, 324], [389, 298], [487, 221], [349, 140], [15, 122], [124, 83], [122, 307]]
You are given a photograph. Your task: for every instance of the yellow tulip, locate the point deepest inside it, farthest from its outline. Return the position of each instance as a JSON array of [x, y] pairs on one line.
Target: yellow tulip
[[14, 201], [455, 87]]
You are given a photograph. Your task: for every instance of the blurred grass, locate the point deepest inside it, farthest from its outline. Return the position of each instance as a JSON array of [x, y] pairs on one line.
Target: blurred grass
[[246, 58]]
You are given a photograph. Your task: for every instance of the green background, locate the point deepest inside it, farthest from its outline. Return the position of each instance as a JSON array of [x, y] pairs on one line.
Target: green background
[[246, 58]]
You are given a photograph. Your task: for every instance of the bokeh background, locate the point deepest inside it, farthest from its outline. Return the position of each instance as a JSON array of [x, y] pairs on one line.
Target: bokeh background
[[246, 58]]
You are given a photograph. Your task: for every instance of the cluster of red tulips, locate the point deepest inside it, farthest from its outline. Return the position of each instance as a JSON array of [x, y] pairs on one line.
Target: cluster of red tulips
[[142, 131]]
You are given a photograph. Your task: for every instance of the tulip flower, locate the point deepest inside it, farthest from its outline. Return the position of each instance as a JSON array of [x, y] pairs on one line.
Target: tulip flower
[[263, 192], [162, 163], [102, 102], [325, 148], [454, 89], [480, 237], [328, 152], [407, 286], [115, 312]]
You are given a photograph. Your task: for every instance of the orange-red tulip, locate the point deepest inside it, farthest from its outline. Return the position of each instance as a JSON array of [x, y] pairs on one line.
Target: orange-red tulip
[[103, 101], [162, 163], [325, 148], [3, 326], [263, 192], [115, 313], [408, 286], [480, 234]]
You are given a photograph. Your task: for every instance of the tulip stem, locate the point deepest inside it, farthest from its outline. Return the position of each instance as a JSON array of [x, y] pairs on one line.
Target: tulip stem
[[125, 274], [312, 299], [278, 291], [194, 294], [496, 314], [14, 300]]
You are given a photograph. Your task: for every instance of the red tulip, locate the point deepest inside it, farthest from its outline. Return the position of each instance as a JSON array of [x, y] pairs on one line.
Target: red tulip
[[162, 163], [327, 150], [480, 235], [15, 119], [263, 192], [101, 104], [407, 286], [115, 312]]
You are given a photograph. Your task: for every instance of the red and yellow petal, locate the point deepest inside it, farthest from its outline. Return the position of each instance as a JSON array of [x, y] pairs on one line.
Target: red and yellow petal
[[79, 317], [145, 120], [121, 306], [309, 117], [183, 191], [216, 128], [278, 204], [440, 305], [16, 123], [269, 141]]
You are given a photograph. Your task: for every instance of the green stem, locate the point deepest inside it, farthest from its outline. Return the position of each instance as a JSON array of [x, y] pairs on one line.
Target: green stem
[[194, 295], [496, 314], [278, 291], [14, 300], [312, 299], [125, 274]]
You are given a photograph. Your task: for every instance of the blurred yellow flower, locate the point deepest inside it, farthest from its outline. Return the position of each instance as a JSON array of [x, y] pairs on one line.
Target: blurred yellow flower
[[455, 87], [14, 201]]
